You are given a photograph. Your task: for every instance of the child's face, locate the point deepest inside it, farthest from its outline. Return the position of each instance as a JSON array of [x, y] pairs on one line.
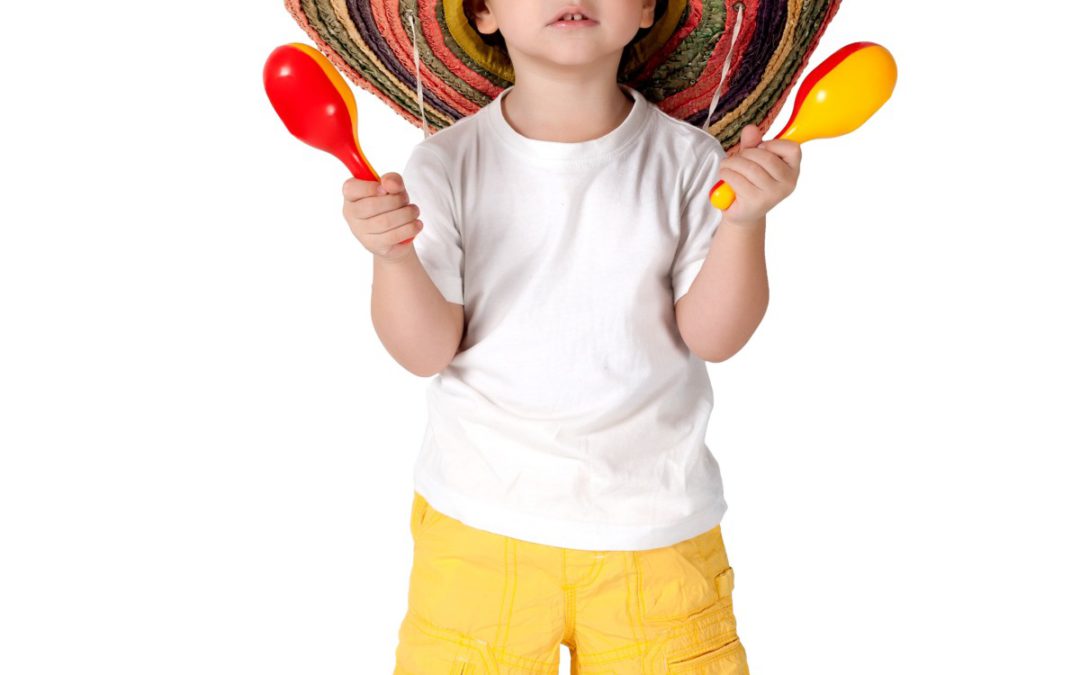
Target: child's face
[[528, 30]]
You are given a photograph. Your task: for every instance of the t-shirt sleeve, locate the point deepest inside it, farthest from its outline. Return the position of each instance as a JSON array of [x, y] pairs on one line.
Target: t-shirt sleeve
[[438, 244], [699, 222]]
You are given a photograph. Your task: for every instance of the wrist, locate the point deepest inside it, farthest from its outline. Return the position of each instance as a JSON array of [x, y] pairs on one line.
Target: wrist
[[754, 225], [396, 261]]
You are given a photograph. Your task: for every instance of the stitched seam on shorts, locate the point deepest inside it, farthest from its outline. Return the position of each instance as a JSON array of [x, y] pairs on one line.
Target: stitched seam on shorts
[[517, 661], [640, 590], [446, 635], [636, 651], [702, 630], [708, 657], [594, 571], [569, 613]]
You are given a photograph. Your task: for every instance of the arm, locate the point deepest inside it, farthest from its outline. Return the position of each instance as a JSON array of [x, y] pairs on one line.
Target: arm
[[420, 328], [726, 301], [417, 301], [729, 295]]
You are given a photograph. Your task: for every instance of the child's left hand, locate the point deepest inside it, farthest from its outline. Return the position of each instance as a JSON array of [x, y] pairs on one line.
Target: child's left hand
[[761, 174]]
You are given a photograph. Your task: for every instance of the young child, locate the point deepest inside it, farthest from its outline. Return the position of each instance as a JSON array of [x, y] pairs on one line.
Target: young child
[[568, 281]]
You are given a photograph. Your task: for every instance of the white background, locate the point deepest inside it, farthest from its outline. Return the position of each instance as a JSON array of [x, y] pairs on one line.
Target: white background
[[207, 453]]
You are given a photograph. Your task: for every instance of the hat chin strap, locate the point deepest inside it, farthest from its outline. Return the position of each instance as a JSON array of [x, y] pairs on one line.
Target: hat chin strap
[[704, 125], [727, 64], [416, 64]]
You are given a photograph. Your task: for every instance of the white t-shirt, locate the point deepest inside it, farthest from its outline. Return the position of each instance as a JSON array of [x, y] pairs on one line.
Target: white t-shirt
[[574, 415]]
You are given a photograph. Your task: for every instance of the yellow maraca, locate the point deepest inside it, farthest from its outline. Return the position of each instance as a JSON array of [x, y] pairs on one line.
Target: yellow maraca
[[834, 99]]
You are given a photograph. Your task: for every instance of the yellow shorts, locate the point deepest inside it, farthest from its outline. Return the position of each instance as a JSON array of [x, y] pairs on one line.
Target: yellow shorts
[[483, 603]]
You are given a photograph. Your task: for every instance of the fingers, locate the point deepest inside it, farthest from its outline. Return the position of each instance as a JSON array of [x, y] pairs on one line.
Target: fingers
[[386, 233], [750, 170], [364, 203], [384, 222], [369, 207], [393, 182], [738, 182], [368, 218], [789, 151], [384, 242], [370, 213], [355, 189], [750, 136], [775, 166], [390, 220]]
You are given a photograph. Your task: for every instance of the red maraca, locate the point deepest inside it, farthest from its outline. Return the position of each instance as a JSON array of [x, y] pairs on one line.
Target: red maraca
[[316, 105]]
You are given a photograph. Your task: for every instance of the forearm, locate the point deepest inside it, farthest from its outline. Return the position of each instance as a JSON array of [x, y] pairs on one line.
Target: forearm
[[411, 317], [728, 298]]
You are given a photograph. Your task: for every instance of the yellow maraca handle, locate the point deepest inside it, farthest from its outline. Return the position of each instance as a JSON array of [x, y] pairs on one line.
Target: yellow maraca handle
[[836, 98], [721, 195]]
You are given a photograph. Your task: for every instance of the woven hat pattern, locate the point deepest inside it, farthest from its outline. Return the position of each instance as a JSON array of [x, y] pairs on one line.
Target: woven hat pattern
[[717, 64]]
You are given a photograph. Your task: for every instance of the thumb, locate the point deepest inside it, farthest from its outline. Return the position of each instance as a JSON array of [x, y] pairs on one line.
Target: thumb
[[750, 137], [391, 183]]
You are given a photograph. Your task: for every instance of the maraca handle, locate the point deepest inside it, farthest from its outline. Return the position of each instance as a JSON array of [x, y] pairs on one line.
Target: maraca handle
[[721, 195], [357, 164], [360, 168]]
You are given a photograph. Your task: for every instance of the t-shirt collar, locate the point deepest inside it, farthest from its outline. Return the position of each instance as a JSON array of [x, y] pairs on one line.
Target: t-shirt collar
[[594, 149]]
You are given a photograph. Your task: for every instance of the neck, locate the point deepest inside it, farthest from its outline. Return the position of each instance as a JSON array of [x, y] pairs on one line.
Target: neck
[[565, 106]]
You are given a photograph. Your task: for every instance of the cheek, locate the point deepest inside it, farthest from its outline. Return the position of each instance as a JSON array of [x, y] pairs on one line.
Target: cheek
[[521, 30], [627, 28]]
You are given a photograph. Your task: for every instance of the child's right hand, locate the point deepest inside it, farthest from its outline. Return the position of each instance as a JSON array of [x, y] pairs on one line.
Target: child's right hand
[[385, 224]]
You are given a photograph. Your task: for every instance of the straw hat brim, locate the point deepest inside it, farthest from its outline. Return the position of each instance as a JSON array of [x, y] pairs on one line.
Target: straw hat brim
[[677, 63]]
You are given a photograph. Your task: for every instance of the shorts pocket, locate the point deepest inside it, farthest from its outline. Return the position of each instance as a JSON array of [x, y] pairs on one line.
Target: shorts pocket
[[422, 514], [728, 658], [674, 582], [708, 643], [725, 582]]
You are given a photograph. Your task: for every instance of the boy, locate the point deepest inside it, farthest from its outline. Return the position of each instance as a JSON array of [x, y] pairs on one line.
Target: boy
[[567, 283]]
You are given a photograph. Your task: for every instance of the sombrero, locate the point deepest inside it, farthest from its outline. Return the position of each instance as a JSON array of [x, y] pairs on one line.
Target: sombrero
[[716, 64]]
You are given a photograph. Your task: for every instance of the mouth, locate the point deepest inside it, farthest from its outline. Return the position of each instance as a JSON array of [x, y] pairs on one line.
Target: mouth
[[571, 15]]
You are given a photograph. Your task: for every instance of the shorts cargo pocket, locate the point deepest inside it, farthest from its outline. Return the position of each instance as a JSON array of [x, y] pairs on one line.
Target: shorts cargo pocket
[[726, 658], [708, 644], [725, 582], [673, 583]]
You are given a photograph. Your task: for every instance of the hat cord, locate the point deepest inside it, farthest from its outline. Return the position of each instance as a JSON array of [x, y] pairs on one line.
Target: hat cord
[[727, 64], [416, 64]]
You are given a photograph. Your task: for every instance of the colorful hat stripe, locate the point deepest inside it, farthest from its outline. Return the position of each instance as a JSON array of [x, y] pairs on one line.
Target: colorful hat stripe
[[698, 40], [470, 48], [668, 31], [351, 58], [453, 59], [385, 27], [677, 64]]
